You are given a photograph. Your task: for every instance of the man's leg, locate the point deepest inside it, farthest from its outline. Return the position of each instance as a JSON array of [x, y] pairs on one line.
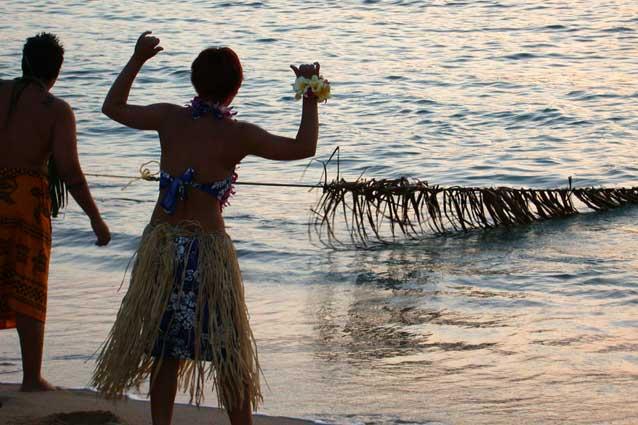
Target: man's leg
[[31, 334]]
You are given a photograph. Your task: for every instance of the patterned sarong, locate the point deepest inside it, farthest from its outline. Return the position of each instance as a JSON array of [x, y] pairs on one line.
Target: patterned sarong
[[25, 244], [177, 337]]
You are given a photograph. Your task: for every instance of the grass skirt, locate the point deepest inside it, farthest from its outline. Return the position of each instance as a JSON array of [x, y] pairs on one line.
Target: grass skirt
[[125, 359]]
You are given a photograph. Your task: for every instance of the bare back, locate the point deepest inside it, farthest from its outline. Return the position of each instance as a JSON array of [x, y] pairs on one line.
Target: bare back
[[209, 146], [26, 137]]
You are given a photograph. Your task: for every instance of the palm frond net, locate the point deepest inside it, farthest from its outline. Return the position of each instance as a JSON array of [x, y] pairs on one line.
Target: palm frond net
[[380, 210]]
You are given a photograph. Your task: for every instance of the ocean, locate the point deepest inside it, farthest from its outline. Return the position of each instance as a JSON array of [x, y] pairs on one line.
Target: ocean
[[533, 325]]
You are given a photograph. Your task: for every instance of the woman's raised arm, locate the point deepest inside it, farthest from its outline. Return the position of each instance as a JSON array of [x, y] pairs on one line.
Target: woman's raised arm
[[115, 105], [266, 145]]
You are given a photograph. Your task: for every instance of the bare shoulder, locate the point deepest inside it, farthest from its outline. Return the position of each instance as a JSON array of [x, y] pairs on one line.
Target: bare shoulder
[[171, 108], [58, 110], [59, 106], [243, 125], [169, 114], [166, 111], [251, 133], [244, 128]]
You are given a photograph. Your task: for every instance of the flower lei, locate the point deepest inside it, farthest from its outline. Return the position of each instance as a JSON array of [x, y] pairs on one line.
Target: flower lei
[[319, 86], [199, 107]]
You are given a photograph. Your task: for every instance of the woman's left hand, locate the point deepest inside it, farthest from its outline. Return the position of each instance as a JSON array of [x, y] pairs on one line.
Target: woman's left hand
[[147, 46], [306, 70]]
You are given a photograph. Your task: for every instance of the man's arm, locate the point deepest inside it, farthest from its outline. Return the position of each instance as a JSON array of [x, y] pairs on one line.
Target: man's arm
[[66, 159]]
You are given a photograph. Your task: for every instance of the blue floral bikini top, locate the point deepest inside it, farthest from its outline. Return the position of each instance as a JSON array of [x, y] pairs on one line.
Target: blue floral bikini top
[[176, 188], [221, 189]]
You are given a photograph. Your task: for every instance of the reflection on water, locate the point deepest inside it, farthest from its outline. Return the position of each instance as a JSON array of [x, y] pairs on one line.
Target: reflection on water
[[463, 328]]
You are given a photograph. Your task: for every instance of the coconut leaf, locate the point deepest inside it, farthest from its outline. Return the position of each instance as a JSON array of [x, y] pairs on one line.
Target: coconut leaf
[[375, 209]]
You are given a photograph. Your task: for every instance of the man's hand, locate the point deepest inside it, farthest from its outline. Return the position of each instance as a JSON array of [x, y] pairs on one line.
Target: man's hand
[[101, 231]]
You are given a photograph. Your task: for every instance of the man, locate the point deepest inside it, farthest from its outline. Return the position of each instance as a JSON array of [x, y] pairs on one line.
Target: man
[[37, 130]]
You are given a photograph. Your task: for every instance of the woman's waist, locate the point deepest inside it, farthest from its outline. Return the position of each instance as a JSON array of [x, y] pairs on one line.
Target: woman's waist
[[161, 234], [205, 219]]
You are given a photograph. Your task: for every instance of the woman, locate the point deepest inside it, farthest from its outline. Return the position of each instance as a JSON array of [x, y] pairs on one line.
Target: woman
[[37, 129], [185, 277]]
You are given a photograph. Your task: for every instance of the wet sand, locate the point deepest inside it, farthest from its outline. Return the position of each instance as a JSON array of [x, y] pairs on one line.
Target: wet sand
[[82, 407]]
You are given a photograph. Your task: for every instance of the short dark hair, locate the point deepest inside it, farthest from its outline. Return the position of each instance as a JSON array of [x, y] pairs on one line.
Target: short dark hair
[[217, 74], [42, 57]]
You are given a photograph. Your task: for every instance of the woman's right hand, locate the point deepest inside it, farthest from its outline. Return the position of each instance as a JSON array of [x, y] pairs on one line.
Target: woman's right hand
[[147, 46], [101, 231], [306, 70]]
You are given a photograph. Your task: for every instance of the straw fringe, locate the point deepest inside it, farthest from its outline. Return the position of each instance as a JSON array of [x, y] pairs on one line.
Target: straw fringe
[[371, 208], [124, 360]]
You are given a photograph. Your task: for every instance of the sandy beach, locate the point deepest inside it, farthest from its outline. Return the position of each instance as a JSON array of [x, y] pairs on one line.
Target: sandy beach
[[81, 407]]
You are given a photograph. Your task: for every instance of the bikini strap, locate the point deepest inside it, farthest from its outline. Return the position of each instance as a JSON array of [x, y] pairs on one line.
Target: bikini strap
[[176, 189]]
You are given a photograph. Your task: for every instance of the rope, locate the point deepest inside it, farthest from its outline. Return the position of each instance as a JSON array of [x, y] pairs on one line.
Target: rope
[[412, 207], [152, 176]]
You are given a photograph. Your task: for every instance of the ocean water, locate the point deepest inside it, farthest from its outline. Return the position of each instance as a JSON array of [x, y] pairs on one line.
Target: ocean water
[[535, 325]]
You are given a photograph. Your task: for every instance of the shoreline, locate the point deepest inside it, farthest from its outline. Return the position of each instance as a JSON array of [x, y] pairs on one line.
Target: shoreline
[[86, 407]]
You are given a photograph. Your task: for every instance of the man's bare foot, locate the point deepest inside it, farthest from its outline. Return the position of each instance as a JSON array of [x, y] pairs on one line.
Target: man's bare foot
[[39, 385]]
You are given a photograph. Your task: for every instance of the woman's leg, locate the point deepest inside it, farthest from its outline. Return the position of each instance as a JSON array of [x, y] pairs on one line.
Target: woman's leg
[[163, 389], [242, 415], [31, 334]]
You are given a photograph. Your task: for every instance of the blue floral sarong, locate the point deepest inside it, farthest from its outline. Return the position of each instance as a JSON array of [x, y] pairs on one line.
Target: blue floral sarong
[[176, 339]]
